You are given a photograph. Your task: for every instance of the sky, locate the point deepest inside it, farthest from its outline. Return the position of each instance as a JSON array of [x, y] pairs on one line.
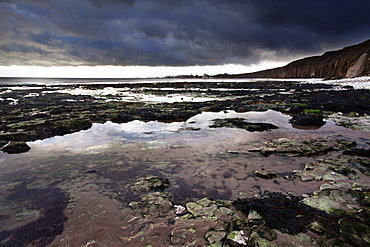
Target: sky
[[145, 38]]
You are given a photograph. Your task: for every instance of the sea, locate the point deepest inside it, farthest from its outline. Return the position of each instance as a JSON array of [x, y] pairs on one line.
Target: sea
[[356, 83]]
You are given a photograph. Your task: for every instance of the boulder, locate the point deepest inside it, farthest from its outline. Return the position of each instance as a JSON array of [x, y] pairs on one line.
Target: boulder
[[242, 124], [237, 238], [16, 147], [307, 120]]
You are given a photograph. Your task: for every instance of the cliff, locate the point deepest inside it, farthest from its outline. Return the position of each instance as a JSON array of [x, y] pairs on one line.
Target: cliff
[[351, 61]]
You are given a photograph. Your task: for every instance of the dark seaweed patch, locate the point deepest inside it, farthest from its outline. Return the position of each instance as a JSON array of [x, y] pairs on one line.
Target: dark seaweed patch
[[285, 213], [51, 202], [358, 152]]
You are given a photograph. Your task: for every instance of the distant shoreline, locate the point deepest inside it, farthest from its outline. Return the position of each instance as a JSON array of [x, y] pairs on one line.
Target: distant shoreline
[[356, 82]]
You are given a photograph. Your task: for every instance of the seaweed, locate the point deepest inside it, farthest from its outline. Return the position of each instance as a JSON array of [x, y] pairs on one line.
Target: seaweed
[[357, 152], [41, 232], [285, 213]]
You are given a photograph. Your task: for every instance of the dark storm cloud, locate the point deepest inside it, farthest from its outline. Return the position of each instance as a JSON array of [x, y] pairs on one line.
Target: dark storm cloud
[[175, 33]]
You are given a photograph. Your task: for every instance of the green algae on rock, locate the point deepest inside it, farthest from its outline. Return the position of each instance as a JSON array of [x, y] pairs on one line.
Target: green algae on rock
[[154, 204], [150, 183]]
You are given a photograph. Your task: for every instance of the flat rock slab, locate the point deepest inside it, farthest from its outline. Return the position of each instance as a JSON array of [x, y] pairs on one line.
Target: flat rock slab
[[310, 147], [307, 120], [265, 174], [154, 204], [241, 123]]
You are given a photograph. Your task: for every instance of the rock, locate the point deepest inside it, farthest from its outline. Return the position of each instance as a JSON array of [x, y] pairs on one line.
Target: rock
[[328, 201], [217, 217], [342, 168], [154, 204], [182, 236], [331, 186], [265, 174], [179, 210], [295, 174], [310, 166], [307, 120], [313, 171], [208, 209], [242, 124], [265, 232], [226, 211], [194, 208], [253, 215], [16, 147], [307, 178], [357, 123], [150, 183], [259, 241], [318, 227], [198, 210], [238, 238], [309, 147], [3, 143], [186, 129], [333, 176], [122, 118], [215, 237], [343, 144], [205, 202], [91, 171]]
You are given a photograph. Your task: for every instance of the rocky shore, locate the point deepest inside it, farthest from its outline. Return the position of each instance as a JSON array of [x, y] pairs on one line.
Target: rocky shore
[[148, 207], [335, 215], [31, 113]]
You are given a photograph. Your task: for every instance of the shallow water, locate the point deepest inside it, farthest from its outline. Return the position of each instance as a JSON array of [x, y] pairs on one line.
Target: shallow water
[[195, 157], [96, 167]]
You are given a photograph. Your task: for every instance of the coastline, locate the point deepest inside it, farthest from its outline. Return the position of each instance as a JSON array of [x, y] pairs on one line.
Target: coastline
[[357, 82], [37, 112], [91, 144]]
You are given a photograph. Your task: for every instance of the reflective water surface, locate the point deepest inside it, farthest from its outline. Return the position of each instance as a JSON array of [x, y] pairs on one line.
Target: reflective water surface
[[90, 172]]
